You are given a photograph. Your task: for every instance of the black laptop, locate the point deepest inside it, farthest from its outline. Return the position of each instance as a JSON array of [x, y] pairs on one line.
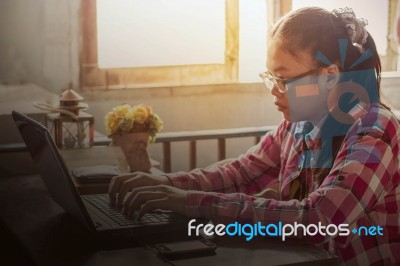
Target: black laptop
[[94, 211]]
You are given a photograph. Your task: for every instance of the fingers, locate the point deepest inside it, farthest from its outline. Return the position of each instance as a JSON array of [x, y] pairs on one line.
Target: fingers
[[127, 202], [115, 185], [153, 205], [141, 198], [141, 195], [127, 186], [122, 184], [155, 197]]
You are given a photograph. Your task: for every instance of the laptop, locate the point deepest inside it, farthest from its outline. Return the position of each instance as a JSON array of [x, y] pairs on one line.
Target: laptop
[[93, 211]]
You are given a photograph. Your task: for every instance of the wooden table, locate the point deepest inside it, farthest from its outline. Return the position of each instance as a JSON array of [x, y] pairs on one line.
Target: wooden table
[[48, 235]]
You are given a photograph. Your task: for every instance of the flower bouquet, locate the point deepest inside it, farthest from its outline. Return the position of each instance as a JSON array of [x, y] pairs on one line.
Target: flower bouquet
[[132, 128]]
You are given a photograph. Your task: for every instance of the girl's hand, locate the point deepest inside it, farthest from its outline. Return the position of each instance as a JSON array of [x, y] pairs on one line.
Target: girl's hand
[[145, 199], [122, 184]]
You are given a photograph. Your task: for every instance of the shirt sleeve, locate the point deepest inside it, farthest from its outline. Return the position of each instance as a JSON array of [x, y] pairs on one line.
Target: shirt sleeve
[[362, 174], [257, 169]]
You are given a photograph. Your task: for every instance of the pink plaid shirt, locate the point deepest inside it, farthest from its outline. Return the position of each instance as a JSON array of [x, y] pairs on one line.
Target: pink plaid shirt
[[361, 189]]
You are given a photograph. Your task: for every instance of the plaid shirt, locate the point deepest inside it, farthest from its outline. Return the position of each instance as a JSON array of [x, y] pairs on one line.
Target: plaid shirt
[[360, 189]]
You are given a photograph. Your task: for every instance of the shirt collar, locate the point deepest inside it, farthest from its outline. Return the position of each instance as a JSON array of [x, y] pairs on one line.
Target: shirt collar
[[359, 110], [302, 129]]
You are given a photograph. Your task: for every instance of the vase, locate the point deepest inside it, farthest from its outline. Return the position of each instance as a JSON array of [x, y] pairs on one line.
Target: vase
[[134, 147]]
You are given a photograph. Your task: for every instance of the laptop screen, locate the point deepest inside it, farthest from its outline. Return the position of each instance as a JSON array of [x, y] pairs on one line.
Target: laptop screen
[[51, 167]]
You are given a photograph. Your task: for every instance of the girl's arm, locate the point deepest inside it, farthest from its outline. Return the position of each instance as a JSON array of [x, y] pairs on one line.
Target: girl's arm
[[253, 171], [365, 171]]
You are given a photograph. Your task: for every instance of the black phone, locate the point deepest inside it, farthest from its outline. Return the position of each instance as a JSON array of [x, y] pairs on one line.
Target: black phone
[[186, 249]]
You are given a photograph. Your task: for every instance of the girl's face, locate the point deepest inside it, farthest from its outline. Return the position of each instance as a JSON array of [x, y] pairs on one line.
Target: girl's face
[[305, 98]]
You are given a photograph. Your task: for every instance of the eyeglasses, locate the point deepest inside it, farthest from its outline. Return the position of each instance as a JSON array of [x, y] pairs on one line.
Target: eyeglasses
[[271, 81]]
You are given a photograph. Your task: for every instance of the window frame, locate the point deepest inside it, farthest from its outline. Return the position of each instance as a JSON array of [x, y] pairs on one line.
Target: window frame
[[94, 77]]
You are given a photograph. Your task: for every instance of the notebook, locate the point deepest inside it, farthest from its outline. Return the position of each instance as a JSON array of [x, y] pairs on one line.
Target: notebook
[[94, 211]]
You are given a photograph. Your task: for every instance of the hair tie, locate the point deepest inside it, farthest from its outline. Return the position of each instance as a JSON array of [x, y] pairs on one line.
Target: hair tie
[[355, 26]]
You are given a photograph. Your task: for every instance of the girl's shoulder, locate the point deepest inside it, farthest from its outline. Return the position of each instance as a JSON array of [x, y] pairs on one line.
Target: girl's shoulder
[[379, 121], [380, 117]]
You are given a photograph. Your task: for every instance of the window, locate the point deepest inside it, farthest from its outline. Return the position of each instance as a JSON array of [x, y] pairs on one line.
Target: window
[[206, 25], [225, 43], [252, 39], [95, 75], [137, 33]]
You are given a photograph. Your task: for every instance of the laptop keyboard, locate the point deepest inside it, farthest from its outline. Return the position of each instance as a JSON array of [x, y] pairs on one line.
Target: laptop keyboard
[[102, 202]]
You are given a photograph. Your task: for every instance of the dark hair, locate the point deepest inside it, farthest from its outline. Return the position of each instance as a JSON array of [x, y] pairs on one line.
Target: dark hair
[[315, 29]]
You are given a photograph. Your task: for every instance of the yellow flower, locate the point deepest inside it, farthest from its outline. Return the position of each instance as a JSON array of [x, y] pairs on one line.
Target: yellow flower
[[125, 124], [149, 110], [111, 123], [122, 110], [140, 114], [124, 119], [156, 123], [130, 115]]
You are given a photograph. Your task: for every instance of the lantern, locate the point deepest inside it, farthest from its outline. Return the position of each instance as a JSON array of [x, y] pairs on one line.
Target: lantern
[[70, 127]]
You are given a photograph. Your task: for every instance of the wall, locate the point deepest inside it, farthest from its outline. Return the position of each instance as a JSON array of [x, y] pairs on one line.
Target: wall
[[39, 45], [39, 42], [391, 89], [195, 108]]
